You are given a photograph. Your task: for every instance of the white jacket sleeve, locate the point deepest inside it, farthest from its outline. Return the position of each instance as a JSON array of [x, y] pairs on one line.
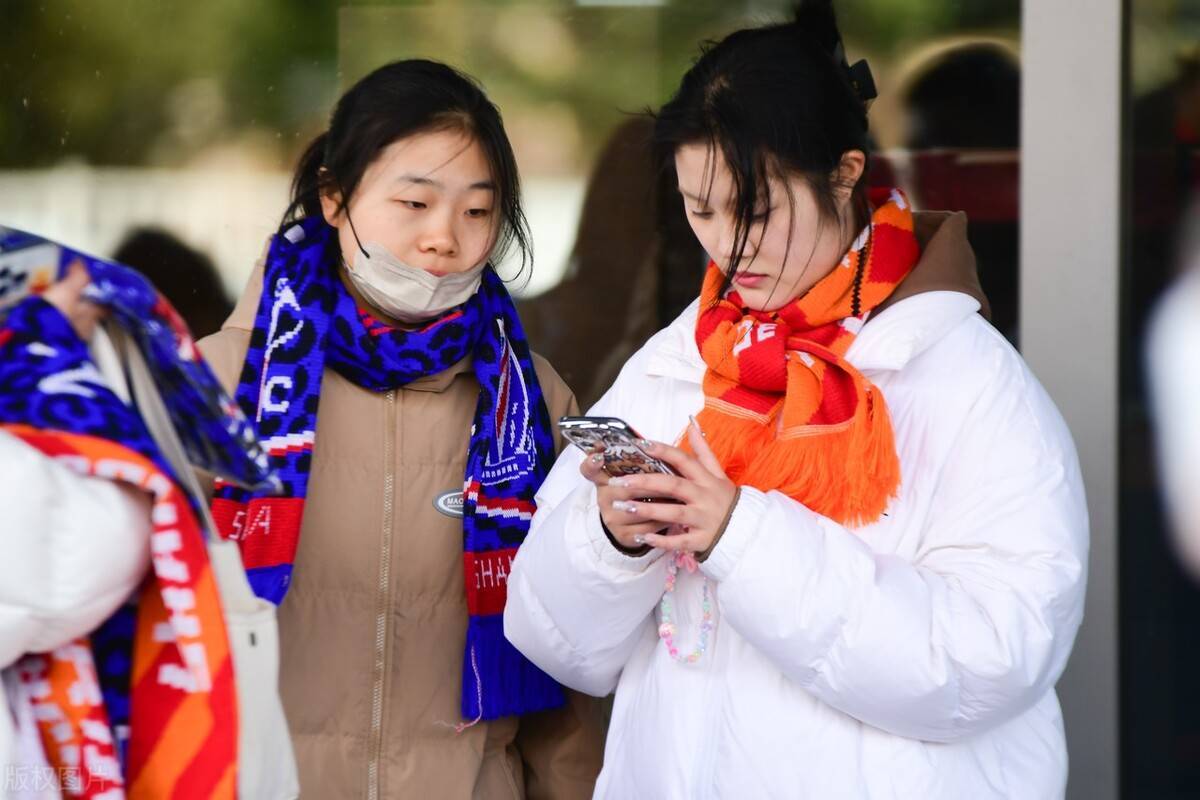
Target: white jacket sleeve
[[75, 548], [971, 631], [576, 605]]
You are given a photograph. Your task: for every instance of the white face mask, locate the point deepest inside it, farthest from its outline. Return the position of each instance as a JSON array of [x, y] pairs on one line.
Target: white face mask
[[406, 293]]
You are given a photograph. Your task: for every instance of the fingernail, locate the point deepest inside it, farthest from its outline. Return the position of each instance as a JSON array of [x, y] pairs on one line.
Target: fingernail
[[621, 505], [645, 444], [700, 430], [597, 459], [639, 539], [620, 483]]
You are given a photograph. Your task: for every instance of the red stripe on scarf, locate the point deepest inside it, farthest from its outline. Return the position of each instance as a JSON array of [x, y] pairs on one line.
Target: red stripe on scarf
[[209, 770], [893, 254], [163, 757], [839, 399], [377, 327], [267, 528], [487, 580], [826, 335]]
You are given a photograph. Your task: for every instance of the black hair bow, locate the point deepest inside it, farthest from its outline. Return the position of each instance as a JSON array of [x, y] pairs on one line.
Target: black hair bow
[[860, 75]]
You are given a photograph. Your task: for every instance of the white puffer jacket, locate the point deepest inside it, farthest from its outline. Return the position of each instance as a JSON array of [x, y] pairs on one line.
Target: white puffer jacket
[[73, 549], [914, 658]]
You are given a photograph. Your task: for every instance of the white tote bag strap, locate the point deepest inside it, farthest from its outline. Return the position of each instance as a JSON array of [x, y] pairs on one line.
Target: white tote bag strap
[[266, 764]]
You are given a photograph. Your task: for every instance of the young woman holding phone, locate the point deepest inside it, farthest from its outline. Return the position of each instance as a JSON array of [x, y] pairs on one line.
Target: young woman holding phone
[[874, 572]]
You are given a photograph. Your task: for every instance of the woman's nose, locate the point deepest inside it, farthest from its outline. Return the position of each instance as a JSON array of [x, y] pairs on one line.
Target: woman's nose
[[728, 243], [439, 239]]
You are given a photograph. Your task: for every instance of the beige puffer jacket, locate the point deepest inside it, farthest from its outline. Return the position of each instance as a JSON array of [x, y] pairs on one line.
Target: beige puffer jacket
[[373, 628]]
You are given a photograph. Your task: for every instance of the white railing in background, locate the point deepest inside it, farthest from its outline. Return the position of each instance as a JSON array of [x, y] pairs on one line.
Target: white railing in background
[[225, 214]]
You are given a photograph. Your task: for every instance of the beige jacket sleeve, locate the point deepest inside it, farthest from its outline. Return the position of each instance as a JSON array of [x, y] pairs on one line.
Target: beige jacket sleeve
[[562, 749]]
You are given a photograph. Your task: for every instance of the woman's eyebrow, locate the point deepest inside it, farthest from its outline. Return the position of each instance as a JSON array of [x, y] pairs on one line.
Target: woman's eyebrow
[[420, 180], [423, 180]]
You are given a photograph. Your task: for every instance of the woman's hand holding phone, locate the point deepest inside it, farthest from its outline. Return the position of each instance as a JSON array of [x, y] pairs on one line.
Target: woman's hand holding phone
[[626, 528], [704, 495]]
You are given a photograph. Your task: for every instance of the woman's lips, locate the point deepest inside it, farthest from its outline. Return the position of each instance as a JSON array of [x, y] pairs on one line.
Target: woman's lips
[[749, 280]]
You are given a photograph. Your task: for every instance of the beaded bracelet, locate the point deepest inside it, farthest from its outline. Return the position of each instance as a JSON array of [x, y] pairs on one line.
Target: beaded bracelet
[[666, 629]]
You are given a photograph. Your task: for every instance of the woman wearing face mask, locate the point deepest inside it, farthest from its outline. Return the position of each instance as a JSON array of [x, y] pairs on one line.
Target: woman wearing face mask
[[874, 570], [386, 369]]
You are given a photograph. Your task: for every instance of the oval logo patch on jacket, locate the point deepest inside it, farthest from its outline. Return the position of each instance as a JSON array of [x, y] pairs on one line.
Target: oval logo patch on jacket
[[450, 503]]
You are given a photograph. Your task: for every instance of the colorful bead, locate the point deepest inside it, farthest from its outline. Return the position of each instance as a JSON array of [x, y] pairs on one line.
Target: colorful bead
[[666, 630]]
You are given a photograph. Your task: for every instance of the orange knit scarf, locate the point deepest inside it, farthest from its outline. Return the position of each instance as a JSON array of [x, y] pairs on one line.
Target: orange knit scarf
[[783, 409]]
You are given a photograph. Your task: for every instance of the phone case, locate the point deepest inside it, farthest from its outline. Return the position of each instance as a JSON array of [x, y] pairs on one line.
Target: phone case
[[622, 454]]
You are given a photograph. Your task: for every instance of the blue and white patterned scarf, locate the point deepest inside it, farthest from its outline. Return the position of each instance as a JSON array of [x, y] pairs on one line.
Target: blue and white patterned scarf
[[307, 321]]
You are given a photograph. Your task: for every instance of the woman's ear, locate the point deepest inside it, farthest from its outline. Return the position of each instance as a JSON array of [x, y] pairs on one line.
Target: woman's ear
[[331, 199], [848, 173]]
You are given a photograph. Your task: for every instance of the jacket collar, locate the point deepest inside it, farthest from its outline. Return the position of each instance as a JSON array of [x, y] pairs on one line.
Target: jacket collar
[[941, 292]]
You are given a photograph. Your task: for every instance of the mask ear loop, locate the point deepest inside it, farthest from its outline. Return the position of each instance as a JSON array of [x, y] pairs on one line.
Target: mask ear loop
[[357, 241], [349, 219]]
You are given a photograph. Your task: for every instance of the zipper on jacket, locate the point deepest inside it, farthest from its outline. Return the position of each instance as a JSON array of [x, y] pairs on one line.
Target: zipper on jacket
[[383, 601]]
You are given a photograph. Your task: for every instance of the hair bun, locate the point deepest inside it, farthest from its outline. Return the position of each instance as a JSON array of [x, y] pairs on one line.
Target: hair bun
[[817, 19]]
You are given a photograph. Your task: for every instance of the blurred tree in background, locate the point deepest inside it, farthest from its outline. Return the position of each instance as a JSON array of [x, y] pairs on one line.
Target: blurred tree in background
[[170, 83], [146, 82]]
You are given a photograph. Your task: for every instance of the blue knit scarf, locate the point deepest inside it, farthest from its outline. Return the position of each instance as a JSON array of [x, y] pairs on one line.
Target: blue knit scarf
[[307, 321]]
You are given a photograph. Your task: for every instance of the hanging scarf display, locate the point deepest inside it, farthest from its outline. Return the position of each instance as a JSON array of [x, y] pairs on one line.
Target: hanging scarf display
[[146, 705]]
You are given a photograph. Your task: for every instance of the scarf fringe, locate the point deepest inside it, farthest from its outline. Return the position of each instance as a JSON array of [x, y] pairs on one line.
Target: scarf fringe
[[849, 475], [500, 681]]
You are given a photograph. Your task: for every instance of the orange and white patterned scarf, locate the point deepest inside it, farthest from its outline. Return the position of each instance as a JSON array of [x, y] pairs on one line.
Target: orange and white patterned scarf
[[184, 704], [783, 409]]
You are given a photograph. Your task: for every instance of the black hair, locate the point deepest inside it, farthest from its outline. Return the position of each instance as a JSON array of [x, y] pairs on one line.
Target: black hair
[[397, 100], [780, 100], [186, 277]]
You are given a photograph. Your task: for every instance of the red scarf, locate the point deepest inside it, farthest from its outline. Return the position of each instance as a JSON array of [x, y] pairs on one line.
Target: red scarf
[[183, 700], [783, 409]]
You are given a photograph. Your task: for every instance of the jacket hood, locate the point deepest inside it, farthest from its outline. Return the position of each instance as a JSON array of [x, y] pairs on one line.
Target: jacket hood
[[947, 262]]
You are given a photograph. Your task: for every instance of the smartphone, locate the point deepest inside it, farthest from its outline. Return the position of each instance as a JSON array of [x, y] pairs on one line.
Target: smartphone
[[619, 442]]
